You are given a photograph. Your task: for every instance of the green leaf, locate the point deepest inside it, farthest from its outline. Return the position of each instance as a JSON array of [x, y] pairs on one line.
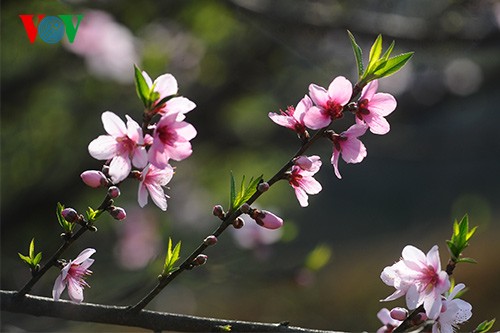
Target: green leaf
[[469, 260], [318, 257], [92, 214], [172, 257], [26, 259], [393, 65], [141, 87], [485, 326], [32, 248], [388, 52], [375, 52], [37, 259], [224, 328], [232, 195], [358, 54], [60, 218], [245, 192]]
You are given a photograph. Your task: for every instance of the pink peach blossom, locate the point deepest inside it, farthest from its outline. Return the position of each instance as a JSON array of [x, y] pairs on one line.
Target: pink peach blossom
[[293, 118], [349, 146], [267, 219], [301, 178], [94, 178], [72, 275], [166, 85], [372, 108], [171, 141], [454, 311], [123, 146], [420, 278], [329, 103], [152, 181]]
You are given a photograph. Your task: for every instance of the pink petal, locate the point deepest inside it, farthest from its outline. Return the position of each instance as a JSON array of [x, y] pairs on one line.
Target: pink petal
[[142, 195], [84, 255], [286, 121], [432, 306], [158, 155], [353, 150], [119, 168], [378, 124], [166, 85], [140, 157], [355, 131], [412, 297], [382, 104], [310, 185], [185, 130], [59, 287], [369, 90], [318, 94], [134, 131], [86, 264], [315, 118], [181, 151], [335, 162], [75, 290], [340, 90], [432, 258], [158, 196], [113, 125], [179, 105], [302, 107], [103, 147], [301, 196]]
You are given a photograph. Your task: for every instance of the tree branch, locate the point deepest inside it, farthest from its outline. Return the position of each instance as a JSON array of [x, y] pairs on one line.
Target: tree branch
[[119, 315]]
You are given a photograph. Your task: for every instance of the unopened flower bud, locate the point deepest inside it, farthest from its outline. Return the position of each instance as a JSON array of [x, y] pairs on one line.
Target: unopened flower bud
[[201, 259], [210, 240], [113, 192], [399, 313], [267, 219], [70, 215], [263, 187], [118, 213], [218, 211], [94, 178], [245, 208], [238, 223]]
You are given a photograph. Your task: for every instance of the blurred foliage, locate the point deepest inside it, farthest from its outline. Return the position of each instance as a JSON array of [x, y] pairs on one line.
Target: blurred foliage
[[238, 60]]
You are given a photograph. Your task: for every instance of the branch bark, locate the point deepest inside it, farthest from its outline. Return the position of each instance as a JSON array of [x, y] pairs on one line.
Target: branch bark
[[120, 315]]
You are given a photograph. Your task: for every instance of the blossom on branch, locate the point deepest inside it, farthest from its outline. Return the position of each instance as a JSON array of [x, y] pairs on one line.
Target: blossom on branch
[[329, 104], [301, 178], [420, 278], [72, 275], [171, 141], [349, 146], [124, 146], [454, 311], [293, 118], [166, 85], [152, 180], [372, 108]]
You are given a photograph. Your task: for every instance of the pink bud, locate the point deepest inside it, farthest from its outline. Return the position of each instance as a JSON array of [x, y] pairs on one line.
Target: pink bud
[[267, 219], [69, 214], [113, 192], [399, 313], [201, 259], [210, 240], [245, 208], [263, 187], [118, 213], [238, 223], [218, 211], [94, 178]]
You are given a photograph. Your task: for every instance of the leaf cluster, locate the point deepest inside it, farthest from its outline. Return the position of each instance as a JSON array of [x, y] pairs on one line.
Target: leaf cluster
[[31, 259], [485, 326], [245, 192], [67, 226], [460, 240], [379, 65], [173, 255]]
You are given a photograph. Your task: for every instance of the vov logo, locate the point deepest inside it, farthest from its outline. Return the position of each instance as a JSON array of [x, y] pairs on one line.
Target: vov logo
[[51, 29]]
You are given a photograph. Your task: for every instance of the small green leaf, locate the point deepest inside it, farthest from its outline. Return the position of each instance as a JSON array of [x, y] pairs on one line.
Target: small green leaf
[[485, 326], [92, 214], [357, 54], [469, 260], [37, 259], [26, 259], [171, 258], [245, 192], [32, 248], [224, 328], [375, 50], [393, 65], [141, 87], [388, 52], [60, 218]]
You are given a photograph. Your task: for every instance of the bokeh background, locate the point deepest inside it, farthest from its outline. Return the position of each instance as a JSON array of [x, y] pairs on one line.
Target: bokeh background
[[238, 60]]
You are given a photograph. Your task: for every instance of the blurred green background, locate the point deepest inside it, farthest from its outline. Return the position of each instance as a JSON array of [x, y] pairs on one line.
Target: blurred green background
[[238, 60]]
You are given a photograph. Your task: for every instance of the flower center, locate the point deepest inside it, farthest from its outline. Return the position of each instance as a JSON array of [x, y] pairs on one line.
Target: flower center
[[334, 109], [167, 136], [430, 278], [363, 107], [125, 144], [295, 178]]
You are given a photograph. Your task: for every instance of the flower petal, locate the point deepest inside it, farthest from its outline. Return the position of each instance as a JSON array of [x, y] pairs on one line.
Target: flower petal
[[103, 147], [318, 94], [84, 255], [59, 287], [301, 196], [353, 150], [382, 104], [157, 195], [119, 168], [113, 125], [369, 90], [75, 290], [142, 195], [316, 118], [166, 85], [340, 90], [335, 162]]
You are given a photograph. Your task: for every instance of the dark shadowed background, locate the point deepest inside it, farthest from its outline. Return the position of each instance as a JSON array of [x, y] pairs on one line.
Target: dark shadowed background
[[238, 60]]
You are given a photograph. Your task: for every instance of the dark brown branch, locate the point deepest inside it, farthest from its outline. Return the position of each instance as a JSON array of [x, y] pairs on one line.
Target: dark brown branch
[[118, 315]]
